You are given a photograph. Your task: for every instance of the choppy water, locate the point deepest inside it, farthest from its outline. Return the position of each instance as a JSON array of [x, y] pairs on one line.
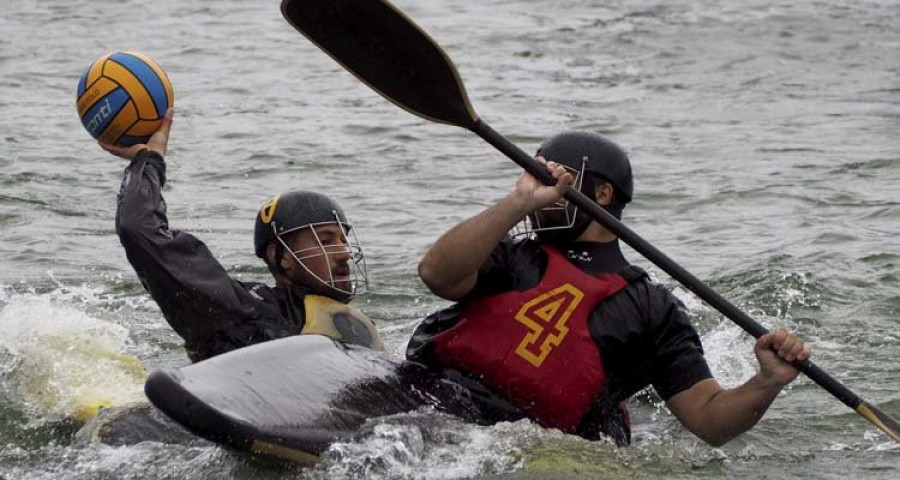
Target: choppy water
[[765, 137]]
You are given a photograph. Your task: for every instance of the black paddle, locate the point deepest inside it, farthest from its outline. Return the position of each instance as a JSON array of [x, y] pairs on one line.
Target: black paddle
[[384, 49]]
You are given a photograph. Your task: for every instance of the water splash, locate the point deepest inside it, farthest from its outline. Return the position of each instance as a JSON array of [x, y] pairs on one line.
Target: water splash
[[729, 353], [141, 461], [426, 444], [780, 287], [59, 362]]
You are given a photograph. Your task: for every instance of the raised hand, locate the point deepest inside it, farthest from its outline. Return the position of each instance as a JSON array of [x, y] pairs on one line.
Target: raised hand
[[536, 194], [158, 142]]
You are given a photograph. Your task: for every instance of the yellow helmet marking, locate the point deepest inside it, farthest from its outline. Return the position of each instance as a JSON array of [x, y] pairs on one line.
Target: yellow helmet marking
[[267, 212]]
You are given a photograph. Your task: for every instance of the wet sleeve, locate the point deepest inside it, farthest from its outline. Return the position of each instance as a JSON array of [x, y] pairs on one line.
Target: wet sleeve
[[513, 265], [678, 362], [194, 292]]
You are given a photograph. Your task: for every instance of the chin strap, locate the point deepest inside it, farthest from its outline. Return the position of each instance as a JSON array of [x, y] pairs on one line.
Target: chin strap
[[564, 236], [279, 254]]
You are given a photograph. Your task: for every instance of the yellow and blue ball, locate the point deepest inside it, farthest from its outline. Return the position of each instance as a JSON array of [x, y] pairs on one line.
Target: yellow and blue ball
[[123, 97]]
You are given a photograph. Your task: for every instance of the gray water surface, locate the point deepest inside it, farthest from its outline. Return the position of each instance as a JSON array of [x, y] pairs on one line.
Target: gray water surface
[[765, 139]]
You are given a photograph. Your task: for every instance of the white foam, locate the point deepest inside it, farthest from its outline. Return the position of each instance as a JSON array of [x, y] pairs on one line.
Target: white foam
[[429, 445], [144, 460], [59, 360], [729, 353]]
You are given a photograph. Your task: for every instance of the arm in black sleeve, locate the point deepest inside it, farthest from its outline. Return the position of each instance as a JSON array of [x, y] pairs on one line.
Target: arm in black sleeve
[[646, 338], [513, 265], [196, 295], [678, 362]]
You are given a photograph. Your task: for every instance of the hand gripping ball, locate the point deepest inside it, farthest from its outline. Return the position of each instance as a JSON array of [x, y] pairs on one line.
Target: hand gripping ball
[[123, 97]]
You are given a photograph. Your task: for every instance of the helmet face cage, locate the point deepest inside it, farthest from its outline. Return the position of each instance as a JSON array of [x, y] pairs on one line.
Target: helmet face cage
[[359, 280], [562, 209]]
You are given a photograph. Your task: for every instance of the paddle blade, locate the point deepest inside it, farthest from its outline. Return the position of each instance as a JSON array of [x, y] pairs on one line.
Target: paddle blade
[[383, 48]]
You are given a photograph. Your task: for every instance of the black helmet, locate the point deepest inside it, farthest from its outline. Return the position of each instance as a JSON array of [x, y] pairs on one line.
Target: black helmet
[[291, 211], [590, 157], [596, 154]]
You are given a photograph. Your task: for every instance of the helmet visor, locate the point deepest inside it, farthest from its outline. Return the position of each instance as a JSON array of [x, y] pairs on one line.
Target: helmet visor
[[560, 215], [331, 255]]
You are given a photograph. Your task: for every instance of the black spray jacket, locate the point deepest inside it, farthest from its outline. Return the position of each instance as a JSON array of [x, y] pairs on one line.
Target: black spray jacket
[[211, 311]]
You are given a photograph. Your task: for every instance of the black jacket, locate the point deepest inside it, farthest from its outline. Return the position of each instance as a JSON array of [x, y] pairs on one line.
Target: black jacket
[[211, 311], [643, 332]]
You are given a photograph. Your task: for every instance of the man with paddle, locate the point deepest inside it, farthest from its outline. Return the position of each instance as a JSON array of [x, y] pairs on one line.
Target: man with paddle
[[303, 237], [380, 45], [561, 329]]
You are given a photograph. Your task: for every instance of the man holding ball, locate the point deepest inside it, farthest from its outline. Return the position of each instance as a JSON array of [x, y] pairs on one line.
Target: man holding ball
[[303, 237]]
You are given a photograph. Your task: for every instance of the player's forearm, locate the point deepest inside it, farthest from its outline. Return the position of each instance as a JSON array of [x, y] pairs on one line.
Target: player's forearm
[[450, 267], [729, 413]]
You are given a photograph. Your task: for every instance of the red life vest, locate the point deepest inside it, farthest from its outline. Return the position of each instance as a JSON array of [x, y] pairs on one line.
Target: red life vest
[[533, 347]]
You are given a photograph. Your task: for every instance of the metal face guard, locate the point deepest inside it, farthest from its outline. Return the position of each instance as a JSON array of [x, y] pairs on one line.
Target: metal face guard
[[558, 216], [358, 281]]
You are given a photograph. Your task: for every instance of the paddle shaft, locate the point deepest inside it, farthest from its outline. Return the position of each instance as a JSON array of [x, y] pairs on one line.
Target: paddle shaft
[[384, 48], [658, 258]]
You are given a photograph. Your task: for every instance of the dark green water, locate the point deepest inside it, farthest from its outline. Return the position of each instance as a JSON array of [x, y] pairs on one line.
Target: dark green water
[[764, 137]]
